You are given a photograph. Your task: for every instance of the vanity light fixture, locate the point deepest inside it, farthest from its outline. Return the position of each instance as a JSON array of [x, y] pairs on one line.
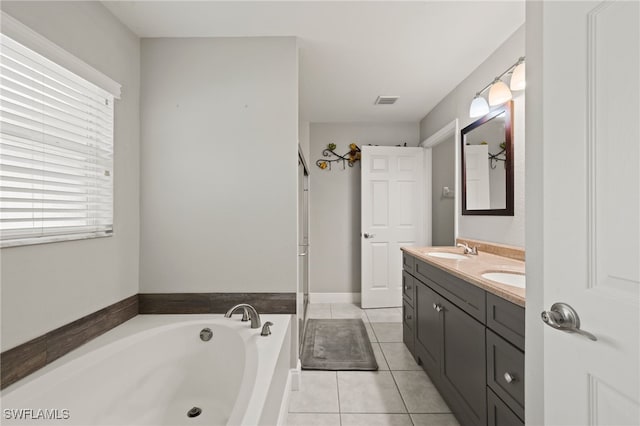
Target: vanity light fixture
[[479, 106], [499, 92], [517, 78]]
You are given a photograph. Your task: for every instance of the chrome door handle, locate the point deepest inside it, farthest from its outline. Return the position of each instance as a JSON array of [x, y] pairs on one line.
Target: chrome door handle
[[302, 254], [563, 317], [366, 235], [437, 307], [508, 377]]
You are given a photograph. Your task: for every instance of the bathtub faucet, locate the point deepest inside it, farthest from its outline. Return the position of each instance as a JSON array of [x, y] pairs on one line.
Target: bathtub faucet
[[253, 314]]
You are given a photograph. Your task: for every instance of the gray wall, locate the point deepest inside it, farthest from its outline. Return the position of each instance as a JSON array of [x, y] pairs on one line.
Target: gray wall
[[499, 229], [335, 202], [443, 157], [219, 165], [303, 140], [45, 286]]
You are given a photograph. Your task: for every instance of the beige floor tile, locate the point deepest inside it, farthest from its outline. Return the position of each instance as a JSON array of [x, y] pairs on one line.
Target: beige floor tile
[[434, 420], [315, 419], [376, 420], [398, 357], [385, 315], [382, 362], [369, 392], [347, 310], [318, 393], [388, 331], [419, 393], [372, 335], [319, 310]]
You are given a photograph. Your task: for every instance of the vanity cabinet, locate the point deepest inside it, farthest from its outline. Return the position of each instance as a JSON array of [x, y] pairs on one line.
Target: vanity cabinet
[[469, 342]]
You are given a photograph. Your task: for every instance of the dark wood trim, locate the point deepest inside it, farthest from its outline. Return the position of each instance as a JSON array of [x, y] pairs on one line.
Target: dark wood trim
[[24, 359], [215, 303], [507, 109]]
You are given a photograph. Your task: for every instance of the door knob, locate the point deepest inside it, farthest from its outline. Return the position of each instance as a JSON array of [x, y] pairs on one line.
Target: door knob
[[366, 235], [437, 307], [563, 317]]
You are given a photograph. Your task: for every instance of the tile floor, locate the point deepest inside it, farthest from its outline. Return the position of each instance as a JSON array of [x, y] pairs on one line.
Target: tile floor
[[398, 394]]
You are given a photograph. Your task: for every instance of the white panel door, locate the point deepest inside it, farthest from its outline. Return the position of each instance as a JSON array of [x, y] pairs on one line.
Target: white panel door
[[592, 210], [392, 216]]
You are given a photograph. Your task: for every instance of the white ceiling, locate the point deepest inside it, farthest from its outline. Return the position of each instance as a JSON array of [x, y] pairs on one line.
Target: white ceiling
[[351, 52]]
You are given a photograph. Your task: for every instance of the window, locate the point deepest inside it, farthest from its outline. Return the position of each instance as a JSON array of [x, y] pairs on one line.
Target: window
[[56, 151]]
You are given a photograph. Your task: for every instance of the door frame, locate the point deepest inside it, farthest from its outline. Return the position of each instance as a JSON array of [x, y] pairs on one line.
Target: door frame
[[296, 347], [450, 129]]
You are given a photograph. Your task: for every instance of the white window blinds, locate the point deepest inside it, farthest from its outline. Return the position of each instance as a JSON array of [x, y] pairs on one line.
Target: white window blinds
[[56, 151]]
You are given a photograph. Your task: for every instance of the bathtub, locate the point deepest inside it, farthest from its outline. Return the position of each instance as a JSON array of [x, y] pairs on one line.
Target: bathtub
[[153, 369]]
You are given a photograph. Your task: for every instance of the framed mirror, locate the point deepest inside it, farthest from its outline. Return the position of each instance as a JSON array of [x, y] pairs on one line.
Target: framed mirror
[[487, 164]]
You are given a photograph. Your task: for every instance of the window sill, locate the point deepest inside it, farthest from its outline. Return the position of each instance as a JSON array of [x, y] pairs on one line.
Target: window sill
[[53, 239]]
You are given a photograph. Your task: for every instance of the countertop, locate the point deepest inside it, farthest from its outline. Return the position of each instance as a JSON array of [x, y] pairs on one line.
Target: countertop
[[472, 268]]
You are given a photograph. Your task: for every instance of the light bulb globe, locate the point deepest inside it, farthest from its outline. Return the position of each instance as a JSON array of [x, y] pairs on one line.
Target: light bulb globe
[[499, 93], [518, 81], [479, 107]]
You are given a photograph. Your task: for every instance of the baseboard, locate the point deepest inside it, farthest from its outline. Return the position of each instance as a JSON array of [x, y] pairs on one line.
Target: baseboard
[[334, 297]]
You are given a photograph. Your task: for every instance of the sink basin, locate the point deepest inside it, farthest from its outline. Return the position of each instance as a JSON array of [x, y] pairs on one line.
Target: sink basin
[[444, 255], [509, 278]]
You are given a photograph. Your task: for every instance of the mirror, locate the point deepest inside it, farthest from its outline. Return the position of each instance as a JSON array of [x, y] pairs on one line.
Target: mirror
[[487, 164]]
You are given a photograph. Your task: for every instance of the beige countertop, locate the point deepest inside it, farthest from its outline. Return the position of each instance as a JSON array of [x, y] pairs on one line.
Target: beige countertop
[[472, 268]]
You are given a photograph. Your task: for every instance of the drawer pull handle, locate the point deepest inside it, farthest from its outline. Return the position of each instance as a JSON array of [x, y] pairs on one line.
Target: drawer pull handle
[[408, 317], [407, 288], [437, 307], [509, 378]]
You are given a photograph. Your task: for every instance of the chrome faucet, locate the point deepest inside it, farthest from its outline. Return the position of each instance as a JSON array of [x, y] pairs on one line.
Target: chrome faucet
[[467, 249], [253, 314]]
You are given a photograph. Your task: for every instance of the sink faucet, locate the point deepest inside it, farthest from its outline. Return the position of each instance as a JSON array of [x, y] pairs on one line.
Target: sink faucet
[[253, 314], [467, 249]]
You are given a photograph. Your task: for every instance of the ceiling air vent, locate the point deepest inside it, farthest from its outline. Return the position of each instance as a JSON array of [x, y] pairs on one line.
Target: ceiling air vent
[[386, 100]]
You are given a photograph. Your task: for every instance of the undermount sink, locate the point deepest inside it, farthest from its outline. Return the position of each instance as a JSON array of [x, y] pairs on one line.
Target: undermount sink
[[444, 255], [509, 278]]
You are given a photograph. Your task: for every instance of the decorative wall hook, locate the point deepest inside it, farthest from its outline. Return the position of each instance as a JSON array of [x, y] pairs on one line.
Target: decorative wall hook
[[494, 158], [349, 158]]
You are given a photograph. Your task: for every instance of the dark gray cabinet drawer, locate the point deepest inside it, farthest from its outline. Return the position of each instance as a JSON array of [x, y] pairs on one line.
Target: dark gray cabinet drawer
[[408, 339], [408, 262], [498, 414], [408, 327], [467, 297], [505, 372], [408, 316], [506, 319], [407, 287]]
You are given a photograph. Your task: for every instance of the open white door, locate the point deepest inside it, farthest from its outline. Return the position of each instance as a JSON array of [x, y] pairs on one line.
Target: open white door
[[590, 104], [392, 216]]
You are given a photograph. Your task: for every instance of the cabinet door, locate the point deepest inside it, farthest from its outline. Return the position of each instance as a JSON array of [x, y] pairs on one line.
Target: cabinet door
[[464, 364], [428, 329]]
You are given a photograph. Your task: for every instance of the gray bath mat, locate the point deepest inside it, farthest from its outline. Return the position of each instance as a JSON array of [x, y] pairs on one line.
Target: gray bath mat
[[337, 344]]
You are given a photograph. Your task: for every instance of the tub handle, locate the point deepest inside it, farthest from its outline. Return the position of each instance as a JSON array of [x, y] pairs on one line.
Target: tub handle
[[266, 330]]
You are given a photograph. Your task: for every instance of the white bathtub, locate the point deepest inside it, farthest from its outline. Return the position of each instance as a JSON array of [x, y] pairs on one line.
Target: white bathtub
[[152, 369]]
